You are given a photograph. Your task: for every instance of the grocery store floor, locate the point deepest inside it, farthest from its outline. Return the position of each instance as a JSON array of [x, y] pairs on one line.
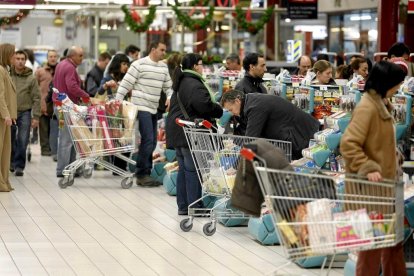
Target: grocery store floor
[[95, 227]]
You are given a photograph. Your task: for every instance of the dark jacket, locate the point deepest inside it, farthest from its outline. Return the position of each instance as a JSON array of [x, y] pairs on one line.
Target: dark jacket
[[272, 117], [93, 80], [197, 103], [247, 195], [249, 84]]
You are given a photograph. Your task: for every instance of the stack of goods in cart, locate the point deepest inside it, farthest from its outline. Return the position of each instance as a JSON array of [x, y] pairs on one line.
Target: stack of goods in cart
[[228, 80], [99, 127]]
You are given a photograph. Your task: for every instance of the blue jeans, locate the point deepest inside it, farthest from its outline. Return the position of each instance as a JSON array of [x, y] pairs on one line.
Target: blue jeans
[[20, 139], [188, 183], [148, 129], [53, 135], [66, 153]]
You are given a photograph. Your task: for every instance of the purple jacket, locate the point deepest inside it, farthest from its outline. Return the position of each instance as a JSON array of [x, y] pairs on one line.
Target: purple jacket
[[67, 80]]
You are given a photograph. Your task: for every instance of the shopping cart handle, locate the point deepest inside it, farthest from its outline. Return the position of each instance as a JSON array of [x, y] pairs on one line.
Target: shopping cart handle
[[248, 154], [204, 123], [182, 123]]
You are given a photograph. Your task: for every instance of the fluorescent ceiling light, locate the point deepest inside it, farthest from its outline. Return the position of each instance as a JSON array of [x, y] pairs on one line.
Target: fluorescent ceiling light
[[362, 17], [121, 2], [16, 7], [154, 2], [57, 7]]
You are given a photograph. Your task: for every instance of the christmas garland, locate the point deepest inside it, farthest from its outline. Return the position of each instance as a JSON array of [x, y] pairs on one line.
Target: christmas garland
[[253, 28], [132, 22], [193, 24], [15, 18], [194, 3]]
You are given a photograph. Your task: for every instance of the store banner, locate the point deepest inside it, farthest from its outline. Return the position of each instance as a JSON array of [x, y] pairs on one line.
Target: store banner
[[303, 9], [410, 6], [19, 2]]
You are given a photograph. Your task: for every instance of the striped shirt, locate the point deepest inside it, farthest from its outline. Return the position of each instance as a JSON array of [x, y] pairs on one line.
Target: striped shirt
[[146, 79]]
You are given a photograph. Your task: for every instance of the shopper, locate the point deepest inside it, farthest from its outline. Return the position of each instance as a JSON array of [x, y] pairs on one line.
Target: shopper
[[400, 50], [323, 73], [343, 72], [116, 72], [272, 117], [359, 66], [368, 147], [95, 75], [44, 77], [304, 64], [197, 101], [8, 113], [255, 66], [67, 80], [28, 111], [233, 62], [147, 77], [132, 52]]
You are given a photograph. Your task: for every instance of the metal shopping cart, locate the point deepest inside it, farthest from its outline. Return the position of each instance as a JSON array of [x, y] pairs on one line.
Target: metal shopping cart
[[216, 157], [327, 213], [95, 134]]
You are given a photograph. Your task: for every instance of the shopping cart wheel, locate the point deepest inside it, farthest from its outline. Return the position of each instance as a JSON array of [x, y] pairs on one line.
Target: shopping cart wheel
[[63, 183], [186, 225], [70, 182], [87, 173], [209, 229], [126, 183]]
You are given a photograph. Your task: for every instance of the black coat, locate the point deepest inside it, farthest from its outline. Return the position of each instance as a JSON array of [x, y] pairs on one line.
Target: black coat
[[198, 104], [272, 117], [249, 84]]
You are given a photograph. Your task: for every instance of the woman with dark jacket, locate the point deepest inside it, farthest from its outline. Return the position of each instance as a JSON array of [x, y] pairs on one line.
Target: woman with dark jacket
[[368, 147], [272, 117], [117, 70], [197, 101]]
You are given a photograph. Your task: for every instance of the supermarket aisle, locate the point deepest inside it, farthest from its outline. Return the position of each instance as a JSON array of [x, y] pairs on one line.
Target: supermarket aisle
[[95, 228]]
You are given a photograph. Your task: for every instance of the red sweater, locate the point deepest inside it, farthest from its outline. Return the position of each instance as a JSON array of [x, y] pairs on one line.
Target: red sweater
[[67, 80]]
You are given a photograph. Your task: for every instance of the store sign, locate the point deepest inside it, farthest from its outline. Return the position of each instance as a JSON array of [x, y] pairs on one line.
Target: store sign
[[303, 9], [19, 2], [410, 6]]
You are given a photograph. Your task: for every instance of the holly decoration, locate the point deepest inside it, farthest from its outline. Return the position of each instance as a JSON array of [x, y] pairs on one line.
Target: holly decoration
[[14, 19], [244, 19], [194, 24], [133, 19]]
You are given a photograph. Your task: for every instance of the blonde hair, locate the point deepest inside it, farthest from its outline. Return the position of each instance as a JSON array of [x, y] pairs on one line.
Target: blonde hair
[[321, 66], [6, 51]]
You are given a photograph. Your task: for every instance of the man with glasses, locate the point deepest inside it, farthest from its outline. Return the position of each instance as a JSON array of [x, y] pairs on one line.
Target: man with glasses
[[146, 78], [255, 66]]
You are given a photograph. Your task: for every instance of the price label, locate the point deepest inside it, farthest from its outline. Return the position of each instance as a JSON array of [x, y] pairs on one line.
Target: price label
[[327, 94], [319, 93], [295, 84], [324, 88], [232, 78], [336, 94]]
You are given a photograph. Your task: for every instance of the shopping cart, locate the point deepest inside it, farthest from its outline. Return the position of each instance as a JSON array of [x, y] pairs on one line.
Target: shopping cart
[[327, 213], [95, 134], [216, 157]]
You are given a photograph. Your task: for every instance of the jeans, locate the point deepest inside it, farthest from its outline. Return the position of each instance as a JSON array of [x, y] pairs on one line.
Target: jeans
[[188, 183], [148, 130], [53, 136], [20, 139], [66, 153]]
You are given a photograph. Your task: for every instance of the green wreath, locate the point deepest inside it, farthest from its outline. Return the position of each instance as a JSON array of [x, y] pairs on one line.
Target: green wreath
[[8, 20], [194, 24], [253, 28], [143, 27]]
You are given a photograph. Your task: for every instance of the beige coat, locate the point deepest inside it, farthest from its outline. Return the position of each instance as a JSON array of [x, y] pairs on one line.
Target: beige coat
[[8, 96], [368, 144]]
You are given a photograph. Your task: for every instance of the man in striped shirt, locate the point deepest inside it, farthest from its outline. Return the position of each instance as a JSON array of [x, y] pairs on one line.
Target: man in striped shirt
[[146, 78]]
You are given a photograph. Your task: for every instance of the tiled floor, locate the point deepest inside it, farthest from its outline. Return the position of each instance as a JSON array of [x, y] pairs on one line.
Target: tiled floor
[[95, 227]]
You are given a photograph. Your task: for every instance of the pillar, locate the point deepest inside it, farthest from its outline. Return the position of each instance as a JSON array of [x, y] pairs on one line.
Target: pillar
[[387, 24]]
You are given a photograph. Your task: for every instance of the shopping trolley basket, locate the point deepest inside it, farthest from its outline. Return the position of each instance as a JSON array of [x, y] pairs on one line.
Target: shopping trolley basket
[[216, 157], [96, 134], [326, 213]]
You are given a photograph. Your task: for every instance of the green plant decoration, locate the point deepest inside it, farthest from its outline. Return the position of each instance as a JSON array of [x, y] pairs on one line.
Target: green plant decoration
[[133, 18], [193, 24], [253, 28], [15, 19]]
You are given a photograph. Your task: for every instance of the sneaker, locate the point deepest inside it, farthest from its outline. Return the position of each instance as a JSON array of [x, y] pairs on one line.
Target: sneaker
[[147, 181], [18, 172], [183, 212]]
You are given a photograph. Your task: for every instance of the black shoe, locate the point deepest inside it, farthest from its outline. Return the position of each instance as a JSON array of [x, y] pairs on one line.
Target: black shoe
[[147, 181], [59, 175], [11, 169], [183, 212], [19, 172]]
